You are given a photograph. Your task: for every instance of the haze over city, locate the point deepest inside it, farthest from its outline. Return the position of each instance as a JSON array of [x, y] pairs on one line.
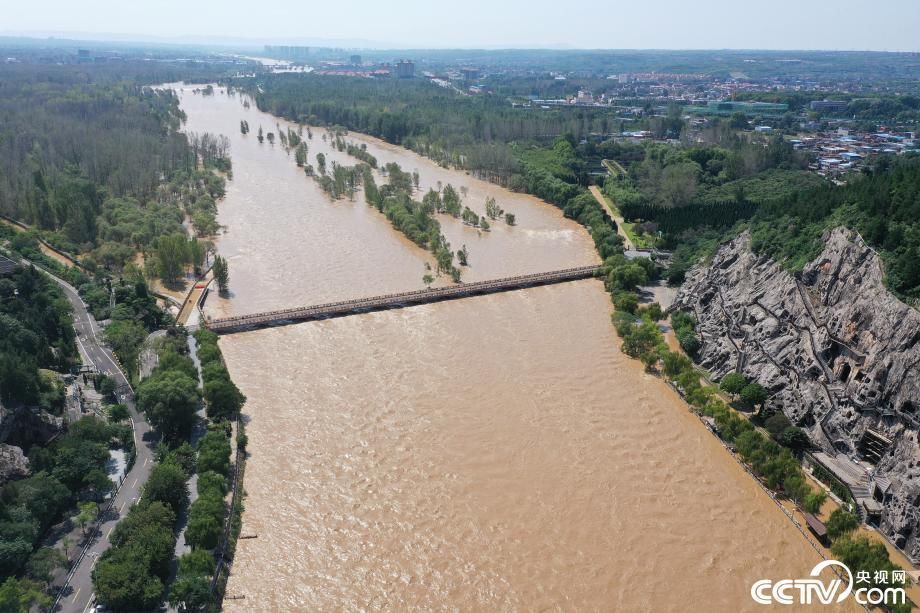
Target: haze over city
[[580, 24]]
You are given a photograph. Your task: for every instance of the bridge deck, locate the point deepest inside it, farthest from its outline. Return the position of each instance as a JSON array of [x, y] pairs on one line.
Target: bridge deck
[[229, 325]]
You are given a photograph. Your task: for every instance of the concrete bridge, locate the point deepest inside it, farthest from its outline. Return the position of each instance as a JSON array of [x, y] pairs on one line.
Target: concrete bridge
[[241, 323]]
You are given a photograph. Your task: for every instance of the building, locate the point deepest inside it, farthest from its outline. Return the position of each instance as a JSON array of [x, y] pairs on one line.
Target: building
[[405, 69], [355, 60], [7, 266], [726, 107], [287, 52], [829, 106], [470, 74], [817, 528]]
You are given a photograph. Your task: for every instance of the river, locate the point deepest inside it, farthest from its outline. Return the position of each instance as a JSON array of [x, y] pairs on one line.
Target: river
[[493, 453]]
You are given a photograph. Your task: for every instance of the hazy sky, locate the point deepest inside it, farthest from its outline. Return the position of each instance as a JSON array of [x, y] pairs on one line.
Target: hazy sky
[[888, 25]]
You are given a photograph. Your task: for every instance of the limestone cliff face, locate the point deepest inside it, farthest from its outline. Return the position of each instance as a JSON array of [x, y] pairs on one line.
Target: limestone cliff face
[[838, 352], [20, 428]]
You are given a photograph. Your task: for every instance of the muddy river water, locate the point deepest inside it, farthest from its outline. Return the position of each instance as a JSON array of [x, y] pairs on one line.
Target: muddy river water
[[497, 453]]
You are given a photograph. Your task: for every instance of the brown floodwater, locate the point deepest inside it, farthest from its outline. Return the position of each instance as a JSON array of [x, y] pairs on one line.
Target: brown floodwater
[[493, 453]]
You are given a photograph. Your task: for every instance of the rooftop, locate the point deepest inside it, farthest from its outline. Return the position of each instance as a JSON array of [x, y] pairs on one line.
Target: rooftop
[[7, 266]]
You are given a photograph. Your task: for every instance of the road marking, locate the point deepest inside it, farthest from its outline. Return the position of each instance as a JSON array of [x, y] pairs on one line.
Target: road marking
[[77, 593], [146, 460], [122, 507], [88, 604], [134, 484], [109, 532]]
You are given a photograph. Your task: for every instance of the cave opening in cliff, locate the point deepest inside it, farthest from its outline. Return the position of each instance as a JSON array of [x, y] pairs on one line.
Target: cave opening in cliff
[[844, 372], [873, 445]]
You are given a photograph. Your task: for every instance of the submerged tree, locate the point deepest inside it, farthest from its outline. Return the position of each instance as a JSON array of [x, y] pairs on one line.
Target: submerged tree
[[221, 274]]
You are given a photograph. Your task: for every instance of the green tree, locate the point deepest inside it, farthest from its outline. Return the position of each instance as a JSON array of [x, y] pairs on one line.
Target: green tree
[[814, 501], [166, 484], [20, 595], [118, 412], [125, 338], [214, 453], [451, 200], [205, 523], [221, 271], [841, 523], [190, 593], [733, 383], [172, 253], [794, 438], [170, 400], [653, 312], [43, 563], [753, 395], [88, 513], [627, 302], [627, 277], [224, 399], [689, 341]]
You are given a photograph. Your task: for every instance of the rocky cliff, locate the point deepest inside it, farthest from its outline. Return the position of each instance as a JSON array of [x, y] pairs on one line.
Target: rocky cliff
[[839, 354], [20, 428]]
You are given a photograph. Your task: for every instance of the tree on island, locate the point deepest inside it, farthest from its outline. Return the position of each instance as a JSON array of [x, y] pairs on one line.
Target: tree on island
[[321, 163], [221, 274], [260, 135], [509, 219], [463, 256], [451, 201], [271, 138], [427, 280]]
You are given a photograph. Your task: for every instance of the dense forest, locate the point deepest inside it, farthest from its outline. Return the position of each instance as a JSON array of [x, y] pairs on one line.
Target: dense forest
[[787, 212], [93, 158], [35, 333], [470, 132]]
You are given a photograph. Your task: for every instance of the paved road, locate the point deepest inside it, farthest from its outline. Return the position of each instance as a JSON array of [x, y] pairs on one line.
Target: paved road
[[78, 595]]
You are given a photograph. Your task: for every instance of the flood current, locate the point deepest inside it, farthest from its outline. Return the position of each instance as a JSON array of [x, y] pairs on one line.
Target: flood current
[[497, 453]]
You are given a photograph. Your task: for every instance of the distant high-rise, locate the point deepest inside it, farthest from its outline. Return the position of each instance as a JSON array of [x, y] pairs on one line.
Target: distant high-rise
[[470, 74], [355, 60], [287, 52], [405, 69]]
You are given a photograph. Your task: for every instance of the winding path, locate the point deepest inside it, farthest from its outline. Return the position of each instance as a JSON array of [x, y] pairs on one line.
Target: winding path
[[616, 217]]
